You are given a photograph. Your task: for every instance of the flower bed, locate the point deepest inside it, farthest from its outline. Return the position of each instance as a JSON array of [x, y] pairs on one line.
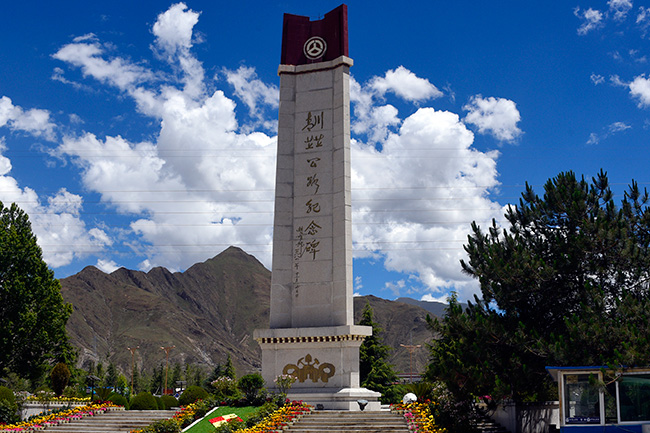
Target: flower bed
[[419, 417], [281, 418], [54, 399], [183, 417], [274, 422], [40, 422]]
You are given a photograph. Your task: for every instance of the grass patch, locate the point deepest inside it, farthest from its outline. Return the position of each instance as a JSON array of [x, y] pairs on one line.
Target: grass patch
[[204, 425]]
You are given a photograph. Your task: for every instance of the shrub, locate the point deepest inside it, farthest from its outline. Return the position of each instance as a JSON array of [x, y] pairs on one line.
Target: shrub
[[8, 407], [457, 416], [7, 394], [60, 376], [70, 392], [163, 426], [251, 385], [119, 400], [143, 401], [103, 393], [423, 390], [169, 401], [231, 426], [192, 394], [225, 388], [393, 394], [265, 410]]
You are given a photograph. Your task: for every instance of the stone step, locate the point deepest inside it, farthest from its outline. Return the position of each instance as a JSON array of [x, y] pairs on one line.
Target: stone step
[[117, 421], [349, 422]]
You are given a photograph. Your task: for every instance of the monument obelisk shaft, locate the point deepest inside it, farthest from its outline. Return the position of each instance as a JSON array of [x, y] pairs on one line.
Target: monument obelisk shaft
[[312, 334], [312, 242]]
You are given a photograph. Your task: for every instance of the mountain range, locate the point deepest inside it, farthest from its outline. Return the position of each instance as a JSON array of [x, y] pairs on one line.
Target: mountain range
[[206, 313]]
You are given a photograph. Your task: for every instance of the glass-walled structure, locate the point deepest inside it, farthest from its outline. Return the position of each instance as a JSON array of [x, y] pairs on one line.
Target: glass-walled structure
[[596, 398]]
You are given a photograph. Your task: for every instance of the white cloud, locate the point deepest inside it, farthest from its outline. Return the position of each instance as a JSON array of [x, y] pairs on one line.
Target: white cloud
[[60, 232], [377, 120], [640, 89], [643, 20], [413, 201], [593, 138], [255, 94], [201, 186], [173, 29], [206, 181], [619, 8], [618, 127], [613, 128], [116, 72], [495, 116], [430, 298], [591, 19], [395, 287], [34, 121], [597, 79], [404, 84], [358, 283], [107, 266], [374, 120]]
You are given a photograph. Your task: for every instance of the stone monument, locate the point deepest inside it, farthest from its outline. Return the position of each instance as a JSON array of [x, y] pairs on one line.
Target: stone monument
[[312, 335]]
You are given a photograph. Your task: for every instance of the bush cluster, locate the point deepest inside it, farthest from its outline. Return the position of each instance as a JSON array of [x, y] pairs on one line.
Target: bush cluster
[[119, 400], [144, 401], [168, 401], [192, 394], [8, 406]]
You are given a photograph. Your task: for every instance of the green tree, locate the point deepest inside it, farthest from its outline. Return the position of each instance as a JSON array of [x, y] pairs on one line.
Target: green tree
[[112, 376], [374, 370], [176, 375], [157, 381], [33, 314], [60, 376], [100, 373], [566, 283], [229, 369], [137, 381]]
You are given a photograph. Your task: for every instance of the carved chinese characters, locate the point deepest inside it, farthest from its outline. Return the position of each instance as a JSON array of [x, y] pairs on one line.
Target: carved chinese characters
[[312, 206]]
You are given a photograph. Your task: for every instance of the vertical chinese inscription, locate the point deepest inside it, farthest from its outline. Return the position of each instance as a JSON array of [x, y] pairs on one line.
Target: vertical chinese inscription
[[312, 152]]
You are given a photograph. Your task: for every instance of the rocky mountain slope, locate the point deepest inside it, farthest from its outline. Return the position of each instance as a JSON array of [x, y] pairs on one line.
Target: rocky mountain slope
[[206, 312]]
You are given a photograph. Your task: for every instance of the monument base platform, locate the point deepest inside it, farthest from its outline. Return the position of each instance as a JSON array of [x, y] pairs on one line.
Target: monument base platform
[[324, 361], [343, 399]]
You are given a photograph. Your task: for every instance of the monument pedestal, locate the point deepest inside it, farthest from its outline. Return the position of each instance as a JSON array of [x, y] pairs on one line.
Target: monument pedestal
[[324, 360]]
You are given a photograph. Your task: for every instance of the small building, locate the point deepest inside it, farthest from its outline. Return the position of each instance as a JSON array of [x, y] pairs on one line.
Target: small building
[[600, 399]]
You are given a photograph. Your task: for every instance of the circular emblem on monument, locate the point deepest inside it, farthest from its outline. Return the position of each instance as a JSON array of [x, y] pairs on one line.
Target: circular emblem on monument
[[314, 48]]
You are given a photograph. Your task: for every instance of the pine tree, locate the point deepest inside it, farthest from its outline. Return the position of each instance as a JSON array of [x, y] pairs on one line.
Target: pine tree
[[111, 376], [566, 283], [229, 369], [374, 370]]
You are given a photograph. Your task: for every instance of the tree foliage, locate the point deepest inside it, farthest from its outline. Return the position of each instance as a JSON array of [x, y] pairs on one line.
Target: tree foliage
[[374, 370], [565, 284], [60, 376], [32, 311]]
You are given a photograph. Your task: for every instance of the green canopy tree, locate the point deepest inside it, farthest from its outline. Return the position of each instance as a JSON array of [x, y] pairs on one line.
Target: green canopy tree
[[566, 283], [33, 314]]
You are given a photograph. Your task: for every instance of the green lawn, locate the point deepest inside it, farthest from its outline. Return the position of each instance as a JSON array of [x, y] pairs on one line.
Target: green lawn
[[204, 425]]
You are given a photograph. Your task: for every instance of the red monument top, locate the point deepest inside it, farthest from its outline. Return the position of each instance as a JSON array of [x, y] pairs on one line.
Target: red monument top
[[305, 41]]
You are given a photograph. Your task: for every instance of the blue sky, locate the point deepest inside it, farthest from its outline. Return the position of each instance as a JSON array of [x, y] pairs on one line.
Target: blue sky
[[142, 134]]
